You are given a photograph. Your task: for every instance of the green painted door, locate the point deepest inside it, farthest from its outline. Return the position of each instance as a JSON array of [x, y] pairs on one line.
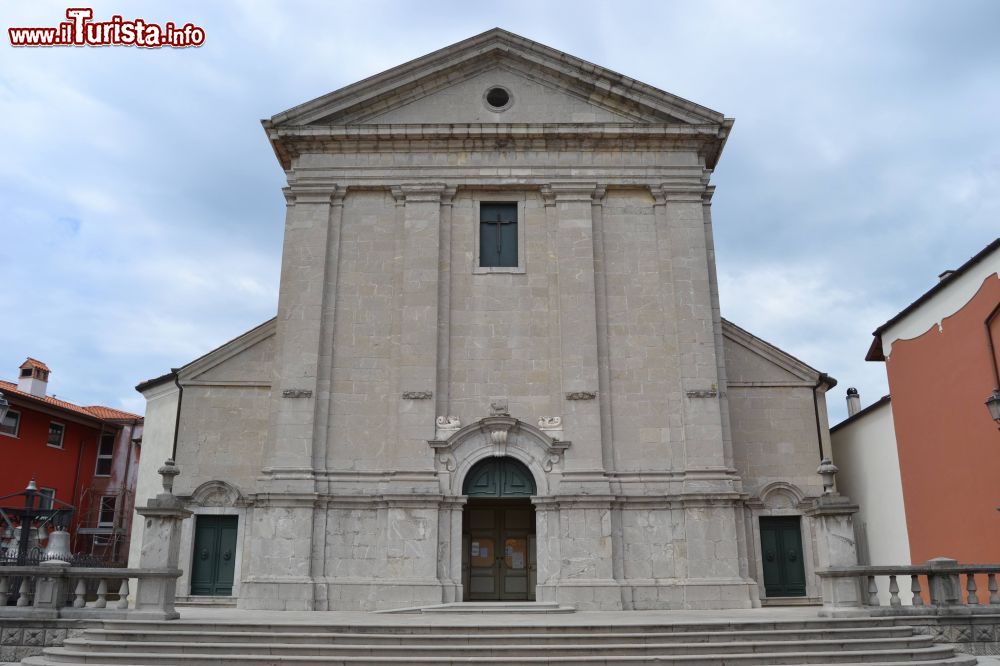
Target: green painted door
[[214, 556], [781, 550]]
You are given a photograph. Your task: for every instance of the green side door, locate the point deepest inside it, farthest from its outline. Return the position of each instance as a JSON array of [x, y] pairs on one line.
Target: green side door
[[781, 550], [214, 561]]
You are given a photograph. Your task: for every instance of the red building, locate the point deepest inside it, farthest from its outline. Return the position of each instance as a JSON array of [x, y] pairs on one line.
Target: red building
[[85, 456]]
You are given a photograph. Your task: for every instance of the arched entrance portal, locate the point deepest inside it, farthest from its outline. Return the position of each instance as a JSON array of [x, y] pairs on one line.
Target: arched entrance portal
[[498, 532]]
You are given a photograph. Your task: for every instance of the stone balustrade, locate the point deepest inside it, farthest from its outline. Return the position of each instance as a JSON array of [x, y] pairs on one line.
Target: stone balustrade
[[942, 586], [57, 591]]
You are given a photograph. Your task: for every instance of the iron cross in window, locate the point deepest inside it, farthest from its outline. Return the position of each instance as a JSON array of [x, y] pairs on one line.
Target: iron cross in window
[[498, 235]]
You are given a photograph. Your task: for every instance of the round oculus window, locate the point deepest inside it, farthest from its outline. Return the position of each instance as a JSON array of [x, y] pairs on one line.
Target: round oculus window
[[498, 98]]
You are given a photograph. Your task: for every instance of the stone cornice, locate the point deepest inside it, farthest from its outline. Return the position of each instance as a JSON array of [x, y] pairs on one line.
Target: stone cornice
[[573, 191], [313, 193], [290, 142]]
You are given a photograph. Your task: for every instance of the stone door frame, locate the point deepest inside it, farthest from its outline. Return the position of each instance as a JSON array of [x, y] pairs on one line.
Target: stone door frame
[[492, 436]]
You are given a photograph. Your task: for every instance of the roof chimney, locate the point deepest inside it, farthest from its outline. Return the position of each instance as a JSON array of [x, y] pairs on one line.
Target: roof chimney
[[33, 377], [853, 401], [945, 275]]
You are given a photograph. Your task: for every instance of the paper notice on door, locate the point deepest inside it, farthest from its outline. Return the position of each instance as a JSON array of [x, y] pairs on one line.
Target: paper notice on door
[[475, 549], [517, 561]]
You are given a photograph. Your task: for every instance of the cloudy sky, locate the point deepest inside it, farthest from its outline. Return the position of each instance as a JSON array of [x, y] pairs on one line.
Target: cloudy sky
[[140, 202]]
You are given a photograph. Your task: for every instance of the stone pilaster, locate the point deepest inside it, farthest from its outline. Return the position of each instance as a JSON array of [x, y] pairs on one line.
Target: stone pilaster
[[574, 251], [304, 311], [418, 353], [442, 395], [449, 555], [685, 260]]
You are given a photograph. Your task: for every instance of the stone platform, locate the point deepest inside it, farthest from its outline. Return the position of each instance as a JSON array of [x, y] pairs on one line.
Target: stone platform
[[756, 637]]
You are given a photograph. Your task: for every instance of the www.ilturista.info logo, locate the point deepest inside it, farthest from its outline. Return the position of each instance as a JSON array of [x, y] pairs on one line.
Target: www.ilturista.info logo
[[80, 30]]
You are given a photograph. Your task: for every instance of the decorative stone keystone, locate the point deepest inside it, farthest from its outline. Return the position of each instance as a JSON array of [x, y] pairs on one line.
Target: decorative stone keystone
[[160, 550]]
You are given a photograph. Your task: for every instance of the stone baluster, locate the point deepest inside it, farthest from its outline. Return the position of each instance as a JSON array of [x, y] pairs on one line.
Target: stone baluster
[[918, 599], [894, 599], [122, 594], [992, 584], [4, 590], [102, 594], [872, 592], [22, 593], [970, 587], [81, 594]]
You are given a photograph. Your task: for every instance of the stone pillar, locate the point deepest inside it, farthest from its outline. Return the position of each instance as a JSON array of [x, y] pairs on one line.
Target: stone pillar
[[160, 550], [584, 470], [418, 354], [944, 583], [832, 516]]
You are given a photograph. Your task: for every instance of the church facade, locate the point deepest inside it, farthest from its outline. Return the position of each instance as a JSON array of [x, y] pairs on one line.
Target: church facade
[[498, 369]]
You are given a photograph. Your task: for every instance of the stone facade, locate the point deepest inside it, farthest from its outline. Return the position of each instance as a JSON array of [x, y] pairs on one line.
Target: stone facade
[[341, 431]]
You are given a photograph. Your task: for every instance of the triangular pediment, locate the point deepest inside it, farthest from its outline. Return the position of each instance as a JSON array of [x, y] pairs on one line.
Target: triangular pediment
[[754, 362], [448, 86], [245, 360]]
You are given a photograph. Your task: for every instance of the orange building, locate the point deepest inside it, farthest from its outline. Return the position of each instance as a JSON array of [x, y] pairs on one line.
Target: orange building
[[940, 354]]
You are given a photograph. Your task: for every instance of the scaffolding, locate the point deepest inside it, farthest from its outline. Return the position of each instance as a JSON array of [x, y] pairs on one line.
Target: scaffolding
[[105, 523]]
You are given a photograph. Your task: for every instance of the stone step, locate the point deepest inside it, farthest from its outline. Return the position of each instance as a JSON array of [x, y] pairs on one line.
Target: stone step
[[514, 636], [510, 650], [928, 655], [490, 625], [484, 607]]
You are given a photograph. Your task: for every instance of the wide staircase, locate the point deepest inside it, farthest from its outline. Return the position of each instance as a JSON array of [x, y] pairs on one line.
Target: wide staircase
[[493, 641]]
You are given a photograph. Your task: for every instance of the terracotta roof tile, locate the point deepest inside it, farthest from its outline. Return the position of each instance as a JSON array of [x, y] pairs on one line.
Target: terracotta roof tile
[[110, 413], [94, 411], [34, 363]]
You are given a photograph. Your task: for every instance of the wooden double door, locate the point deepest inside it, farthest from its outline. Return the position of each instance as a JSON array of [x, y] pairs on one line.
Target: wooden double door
[[499, 550], [214, 561], [781, 550]]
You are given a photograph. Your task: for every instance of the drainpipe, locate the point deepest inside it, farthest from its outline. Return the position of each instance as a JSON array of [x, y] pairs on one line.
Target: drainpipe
[[177, 422], [823, 379]]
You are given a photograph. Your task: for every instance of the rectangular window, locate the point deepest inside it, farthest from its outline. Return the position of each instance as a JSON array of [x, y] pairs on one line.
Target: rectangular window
[[498, 235], [56, 432], [106, 517], [11, 423], [25, 372], [105, 455], [46, 498]]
